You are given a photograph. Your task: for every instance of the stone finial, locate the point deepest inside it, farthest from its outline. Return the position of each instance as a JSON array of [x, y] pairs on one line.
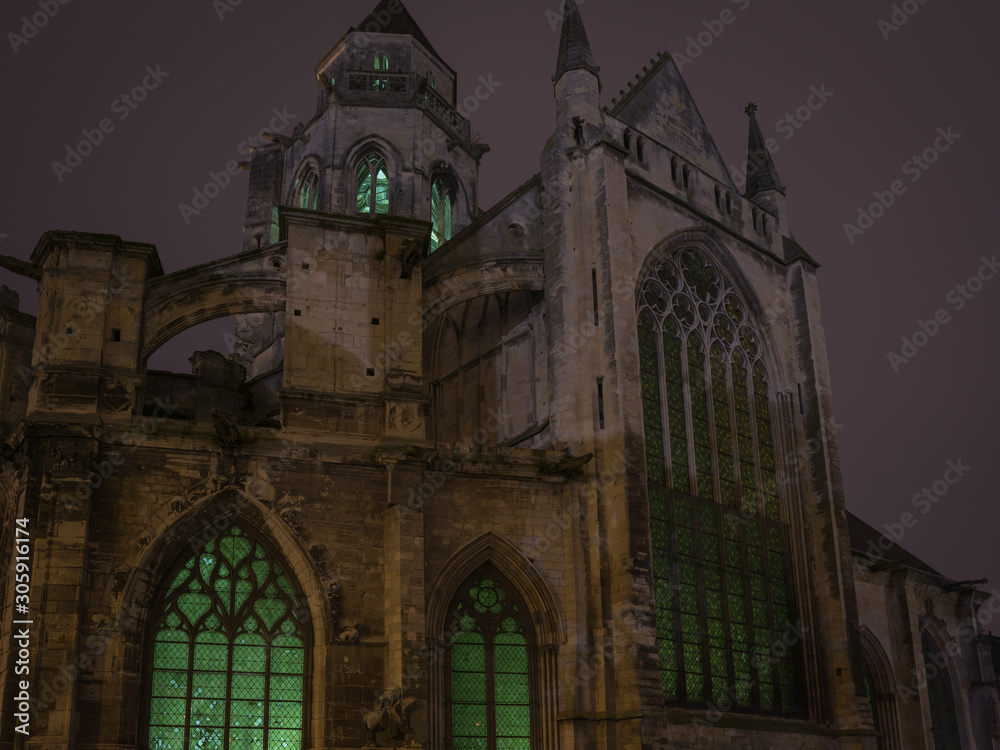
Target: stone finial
[[751, 109]]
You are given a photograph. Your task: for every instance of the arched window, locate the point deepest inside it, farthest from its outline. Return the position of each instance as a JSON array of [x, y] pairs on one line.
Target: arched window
[[628, 140], [721, 581], [944, 718], [442, 209], [373, 185], [489, 667], [640, 149], [307, 189], [381, 62], [873, 705], [228, 653]]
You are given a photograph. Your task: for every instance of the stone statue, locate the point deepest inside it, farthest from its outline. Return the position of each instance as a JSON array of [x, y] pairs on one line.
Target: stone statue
[[390, 715]]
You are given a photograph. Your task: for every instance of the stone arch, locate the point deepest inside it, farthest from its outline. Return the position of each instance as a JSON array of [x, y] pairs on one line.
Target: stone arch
[[736, 476], [470, 374], [252, 282], [880, 667], [308, 162], [150, 564], [441, 169], [454, 285], [952, 666], [546, 622], [492, 548], [712, 246], [394, 162]]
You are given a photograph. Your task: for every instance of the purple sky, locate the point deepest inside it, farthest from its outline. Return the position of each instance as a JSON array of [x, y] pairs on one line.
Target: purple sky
[[890, 97]]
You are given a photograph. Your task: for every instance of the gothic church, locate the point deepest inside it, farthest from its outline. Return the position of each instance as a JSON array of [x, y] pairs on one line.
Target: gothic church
[[558, 474]]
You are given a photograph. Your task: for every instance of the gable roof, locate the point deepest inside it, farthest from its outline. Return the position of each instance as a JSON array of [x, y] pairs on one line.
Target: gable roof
[[863, 537], [661, 106]]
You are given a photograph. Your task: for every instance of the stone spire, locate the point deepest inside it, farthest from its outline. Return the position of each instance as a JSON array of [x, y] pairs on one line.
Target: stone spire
[[574, 48], [762, 177]]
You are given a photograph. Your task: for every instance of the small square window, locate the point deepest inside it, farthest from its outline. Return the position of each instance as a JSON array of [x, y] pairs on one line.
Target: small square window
[[370, 372], [116, 334], [297, 313], [375, 321]]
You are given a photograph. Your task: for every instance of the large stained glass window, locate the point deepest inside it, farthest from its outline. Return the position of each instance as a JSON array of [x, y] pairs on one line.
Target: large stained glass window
[[723, 607], [228, 661], [944, 719], [489, 690], [373, 186]]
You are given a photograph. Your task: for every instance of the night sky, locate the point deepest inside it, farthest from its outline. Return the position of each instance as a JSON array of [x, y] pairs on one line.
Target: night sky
[[888, 99]]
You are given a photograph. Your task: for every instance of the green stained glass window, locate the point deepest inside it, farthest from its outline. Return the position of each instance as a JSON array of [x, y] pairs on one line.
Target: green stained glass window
[[373, 186], [228, 662], [719, 557], [307, 190], [489, 668], [442, 205]]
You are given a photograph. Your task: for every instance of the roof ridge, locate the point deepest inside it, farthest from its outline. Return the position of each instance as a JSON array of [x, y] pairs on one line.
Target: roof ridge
[[661, 59]]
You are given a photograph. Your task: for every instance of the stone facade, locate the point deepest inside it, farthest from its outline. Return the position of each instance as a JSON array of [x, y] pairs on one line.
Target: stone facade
[[398, 417]]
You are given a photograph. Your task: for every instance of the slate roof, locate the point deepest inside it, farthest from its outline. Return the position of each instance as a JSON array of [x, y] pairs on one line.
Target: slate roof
[[865, 539], [400, 22]]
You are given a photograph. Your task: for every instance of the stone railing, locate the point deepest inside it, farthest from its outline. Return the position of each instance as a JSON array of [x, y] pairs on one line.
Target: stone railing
[[378, 81]]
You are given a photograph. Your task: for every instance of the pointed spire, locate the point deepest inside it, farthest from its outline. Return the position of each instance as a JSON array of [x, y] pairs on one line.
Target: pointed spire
[[574, 48], [761, 174]]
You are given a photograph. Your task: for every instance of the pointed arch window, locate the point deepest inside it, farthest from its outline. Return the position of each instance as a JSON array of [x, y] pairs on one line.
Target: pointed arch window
[[373, 185], [944, 717], [228, 653], [873, 705], [381, 63], [489, 668], [307, 189], [442, 210], [723, 599]]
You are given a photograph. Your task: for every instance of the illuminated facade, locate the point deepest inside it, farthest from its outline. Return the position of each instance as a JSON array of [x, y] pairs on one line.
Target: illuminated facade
[[560, 474]]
